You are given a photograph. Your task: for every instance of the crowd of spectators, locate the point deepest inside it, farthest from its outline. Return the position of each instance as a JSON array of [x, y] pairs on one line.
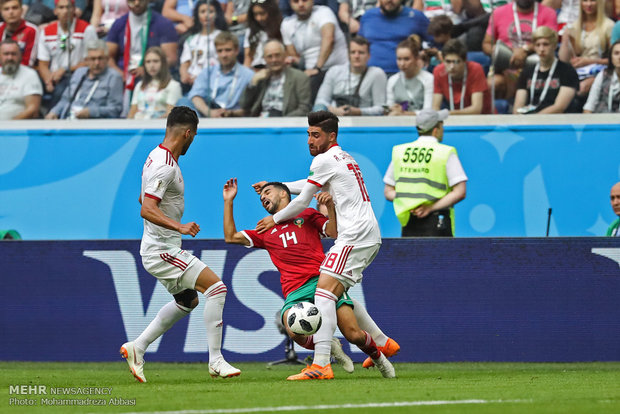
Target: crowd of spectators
[[269, 58]]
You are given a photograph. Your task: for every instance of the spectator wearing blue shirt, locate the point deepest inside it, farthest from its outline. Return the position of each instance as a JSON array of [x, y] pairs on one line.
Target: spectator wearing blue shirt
[[386, 26], [96, 90], [140, 29], [219, 87]]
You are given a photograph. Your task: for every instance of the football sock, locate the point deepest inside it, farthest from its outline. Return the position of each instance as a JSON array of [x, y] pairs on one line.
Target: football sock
[[368, 324], [326, 302], [214, 307], [167, 316], [370, 347]]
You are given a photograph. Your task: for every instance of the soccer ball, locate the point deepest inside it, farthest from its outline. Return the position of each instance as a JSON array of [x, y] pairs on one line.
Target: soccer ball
[[304, 318]]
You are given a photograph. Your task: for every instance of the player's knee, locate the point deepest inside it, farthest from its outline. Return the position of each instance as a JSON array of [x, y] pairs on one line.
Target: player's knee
[[188, 298]]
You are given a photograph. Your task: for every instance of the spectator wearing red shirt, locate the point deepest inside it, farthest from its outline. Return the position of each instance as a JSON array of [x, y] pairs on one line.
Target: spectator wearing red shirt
[[459, 85], [18, 29]]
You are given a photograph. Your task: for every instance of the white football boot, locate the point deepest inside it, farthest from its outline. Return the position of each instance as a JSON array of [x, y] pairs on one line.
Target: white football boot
[[221, 368], [340, 356], [134, 359], [385, 367]]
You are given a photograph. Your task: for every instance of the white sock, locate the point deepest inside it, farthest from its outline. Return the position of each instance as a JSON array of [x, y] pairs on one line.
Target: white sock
[[326, 302], [214, 307], [167, 316], [367, 324]]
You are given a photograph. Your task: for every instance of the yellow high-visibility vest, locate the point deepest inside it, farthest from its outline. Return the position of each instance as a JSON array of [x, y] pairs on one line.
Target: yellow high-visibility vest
[[420, 175]]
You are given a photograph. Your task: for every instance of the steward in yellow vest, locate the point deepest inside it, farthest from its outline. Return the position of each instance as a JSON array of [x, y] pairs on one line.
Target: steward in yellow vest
[[425, 179]]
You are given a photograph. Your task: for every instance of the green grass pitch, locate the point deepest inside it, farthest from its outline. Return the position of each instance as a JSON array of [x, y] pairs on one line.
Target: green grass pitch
[[421, 388]]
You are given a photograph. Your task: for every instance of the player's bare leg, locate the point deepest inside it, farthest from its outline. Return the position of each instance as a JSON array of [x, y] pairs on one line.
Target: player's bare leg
[[214, 290], [167, 316]]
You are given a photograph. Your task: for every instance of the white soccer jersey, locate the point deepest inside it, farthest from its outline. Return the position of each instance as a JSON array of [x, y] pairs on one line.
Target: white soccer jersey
[[162, 180], [337, 173]]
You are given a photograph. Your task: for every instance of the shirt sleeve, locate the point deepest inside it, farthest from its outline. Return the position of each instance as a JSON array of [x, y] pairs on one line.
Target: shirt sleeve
[[318, 220], [377, 80], [428, 82], [43, 53], [321, 170], [186, 54], [33, 84], [137, 94], [389, 95], [454, 170], [299, 204], [287, 37], [569, 77], [295, 187], [595, 93], [158, 183], [326, 90], [479, 81], [256, 240], [174, 92], [388, 178]]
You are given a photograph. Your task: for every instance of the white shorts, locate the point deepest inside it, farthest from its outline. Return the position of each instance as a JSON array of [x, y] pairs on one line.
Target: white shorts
[[176, 269], [346, 263]]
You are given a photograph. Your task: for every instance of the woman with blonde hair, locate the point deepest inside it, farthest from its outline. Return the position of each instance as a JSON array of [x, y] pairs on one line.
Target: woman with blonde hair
[[157, 93], [585, 44]]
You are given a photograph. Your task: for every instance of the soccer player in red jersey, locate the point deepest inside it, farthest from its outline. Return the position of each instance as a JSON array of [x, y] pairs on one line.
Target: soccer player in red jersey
[[295, 249]]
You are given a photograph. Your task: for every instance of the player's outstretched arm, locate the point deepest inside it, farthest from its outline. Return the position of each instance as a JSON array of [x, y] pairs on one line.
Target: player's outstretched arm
[[231, 235], [331, 228], [299, 204], [259, 186], [150, 211]]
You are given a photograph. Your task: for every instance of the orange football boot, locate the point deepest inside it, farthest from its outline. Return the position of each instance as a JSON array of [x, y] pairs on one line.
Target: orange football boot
[[390, 348], [314, 372]]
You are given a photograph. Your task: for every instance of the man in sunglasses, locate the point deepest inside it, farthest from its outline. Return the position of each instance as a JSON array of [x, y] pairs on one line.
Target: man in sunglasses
[[62, 49]]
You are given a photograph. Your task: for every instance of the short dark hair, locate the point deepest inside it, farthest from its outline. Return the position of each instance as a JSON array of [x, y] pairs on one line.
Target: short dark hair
[[182, 115], [359, 40], [279, 185], [327, 121], [441, 24], [455, 47]]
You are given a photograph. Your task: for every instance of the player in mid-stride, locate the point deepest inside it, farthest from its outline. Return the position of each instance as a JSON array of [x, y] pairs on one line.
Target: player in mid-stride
[[163, 202], [335, 171]]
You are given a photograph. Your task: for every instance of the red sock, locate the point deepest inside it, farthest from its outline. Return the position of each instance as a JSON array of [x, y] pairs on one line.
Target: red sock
[[370, 348]]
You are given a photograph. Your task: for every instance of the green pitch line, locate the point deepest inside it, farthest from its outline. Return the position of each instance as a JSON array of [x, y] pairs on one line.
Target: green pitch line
[[421, 388]]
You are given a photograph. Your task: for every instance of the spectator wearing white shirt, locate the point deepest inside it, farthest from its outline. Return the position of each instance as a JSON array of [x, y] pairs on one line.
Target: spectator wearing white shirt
[[411, 89], [354, 88], [20, 88], [157, 93], [313, 40]]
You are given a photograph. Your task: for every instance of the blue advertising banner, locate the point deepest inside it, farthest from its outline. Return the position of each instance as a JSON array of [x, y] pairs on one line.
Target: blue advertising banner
[[442, 300], [84, 183]]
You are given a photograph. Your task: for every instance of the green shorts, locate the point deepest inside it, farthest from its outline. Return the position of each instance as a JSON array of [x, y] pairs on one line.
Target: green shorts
[[305, 293]]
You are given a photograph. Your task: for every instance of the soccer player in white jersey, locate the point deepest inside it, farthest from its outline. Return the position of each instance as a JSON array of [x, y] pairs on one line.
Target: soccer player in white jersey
[[162, 199], [335, 171]]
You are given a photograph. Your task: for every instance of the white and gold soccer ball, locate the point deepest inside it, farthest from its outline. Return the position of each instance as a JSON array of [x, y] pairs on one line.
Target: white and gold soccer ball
[[304, 318]]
